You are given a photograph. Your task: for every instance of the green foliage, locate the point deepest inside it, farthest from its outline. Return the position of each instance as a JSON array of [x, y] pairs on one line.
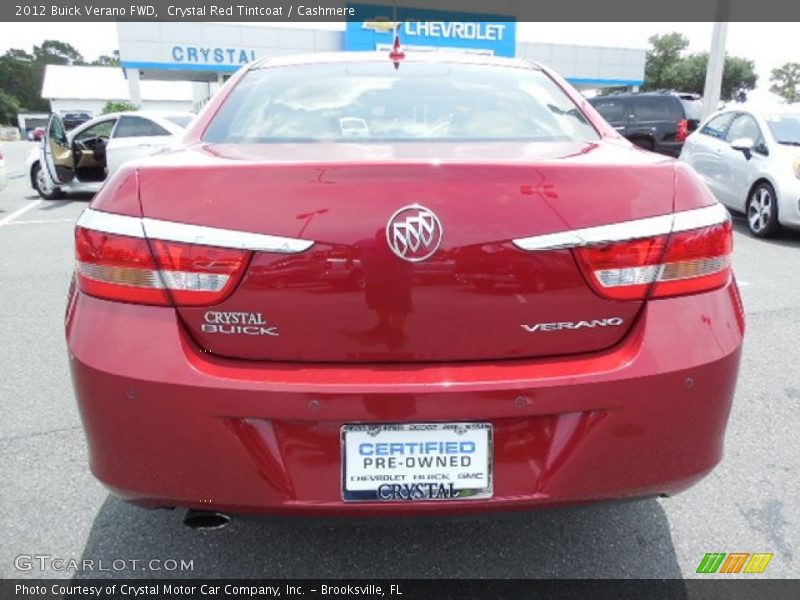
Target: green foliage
[[9, 107], [664, 54], [53, 52], [668, 68], [738, 77], [104, 60], [22, 74], [21, 77], [785, 82], [113, 107]]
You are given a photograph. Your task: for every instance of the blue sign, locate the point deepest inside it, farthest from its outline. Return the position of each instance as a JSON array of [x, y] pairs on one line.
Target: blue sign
[[431, 29]]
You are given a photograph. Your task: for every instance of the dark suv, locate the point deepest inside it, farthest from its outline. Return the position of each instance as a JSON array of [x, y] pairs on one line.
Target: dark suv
[[72, 119], [658, 121]]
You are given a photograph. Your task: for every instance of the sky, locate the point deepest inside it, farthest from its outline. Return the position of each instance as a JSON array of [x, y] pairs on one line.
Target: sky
[[769, 45]]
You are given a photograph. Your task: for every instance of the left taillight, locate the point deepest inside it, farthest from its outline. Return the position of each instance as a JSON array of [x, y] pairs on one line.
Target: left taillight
[[684, 262], [133, 269]]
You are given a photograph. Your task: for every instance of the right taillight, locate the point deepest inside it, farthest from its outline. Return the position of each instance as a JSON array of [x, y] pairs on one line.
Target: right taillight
[[684, 262], [131, 269], [683, 131]]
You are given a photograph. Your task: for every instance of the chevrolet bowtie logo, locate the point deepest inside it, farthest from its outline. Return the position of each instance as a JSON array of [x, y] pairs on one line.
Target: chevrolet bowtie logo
[[380, 26]]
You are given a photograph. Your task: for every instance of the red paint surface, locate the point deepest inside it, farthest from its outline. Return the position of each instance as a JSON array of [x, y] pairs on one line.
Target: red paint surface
[[175, 417]]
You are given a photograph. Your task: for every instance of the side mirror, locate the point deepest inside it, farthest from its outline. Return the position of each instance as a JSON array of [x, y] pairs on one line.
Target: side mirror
[[744, 145]]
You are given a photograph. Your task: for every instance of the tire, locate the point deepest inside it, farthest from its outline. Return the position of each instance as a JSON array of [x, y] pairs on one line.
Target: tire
[[42, 184], [762, 211]]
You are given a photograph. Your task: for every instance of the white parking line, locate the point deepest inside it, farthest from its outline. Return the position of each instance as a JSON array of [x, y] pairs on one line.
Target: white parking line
[[21, 211], [41, 221]]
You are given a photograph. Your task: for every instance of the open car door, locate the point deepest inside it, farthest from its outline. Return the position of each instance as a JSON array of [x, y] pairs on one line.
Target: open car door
[[59, 159]]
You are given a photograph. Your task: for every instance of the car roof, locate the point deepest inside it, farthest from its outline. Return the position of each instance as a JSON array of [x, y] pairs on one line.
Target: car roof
[[414, 56], [666, 94], [156, 115], [769, 111], [146, 113]]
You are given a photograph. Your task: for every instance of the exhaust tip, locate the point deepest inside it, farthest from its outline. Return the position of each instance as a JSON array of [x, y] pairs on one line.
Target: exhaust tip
[[204, 520]]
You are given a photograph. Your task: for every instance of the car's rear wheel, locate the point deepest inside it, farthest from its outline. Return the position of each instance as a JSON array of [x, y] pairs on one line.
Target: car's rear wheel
[[762, 211], [43, 186]]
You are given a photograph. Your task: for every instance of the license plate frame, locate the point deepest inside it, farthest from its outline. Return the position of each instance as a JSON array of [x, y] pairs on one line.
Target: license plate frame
[[416, 433]]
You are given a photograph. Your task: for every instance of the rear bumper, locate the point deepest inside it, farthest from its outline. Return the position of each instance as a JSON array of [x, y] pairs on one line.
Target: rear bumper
[[170, 426]]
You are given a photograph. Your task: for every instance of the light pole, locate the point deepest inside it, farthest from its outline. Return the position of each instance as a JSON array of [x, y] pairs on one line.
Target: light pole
[[716, 59]]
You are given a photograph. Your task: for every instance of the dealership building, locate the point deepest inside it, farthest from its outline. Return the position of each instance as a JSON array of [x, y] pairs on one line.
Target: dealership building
[[207, 53], [180, 65]]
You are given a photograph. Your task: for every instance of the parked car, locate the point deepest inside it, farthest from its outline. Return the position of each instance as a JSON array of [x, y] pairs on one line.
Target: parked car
[[607, 373], [73, 119], [83, 158], [656, 121], [751, 162], [3, 174]]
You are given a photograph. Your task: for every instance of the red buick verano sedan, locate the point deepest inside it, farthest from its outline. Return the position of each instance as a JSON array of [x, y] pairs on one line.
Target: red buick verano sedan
[[447, 286]]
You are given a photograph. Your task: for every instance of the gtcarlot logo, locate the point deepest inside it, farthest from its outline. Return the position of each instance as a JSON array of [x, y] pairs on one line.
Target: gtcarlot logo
[[48, 562]]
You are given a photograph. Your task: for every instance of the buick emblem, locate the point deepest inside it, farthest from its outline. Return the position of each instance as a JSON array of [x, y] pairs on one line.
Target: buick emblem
[[414, 233]]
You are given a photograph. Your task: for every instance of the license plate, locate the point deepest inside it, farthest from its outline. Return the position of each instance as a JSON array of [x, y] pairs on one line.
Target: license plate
[[416, 462]]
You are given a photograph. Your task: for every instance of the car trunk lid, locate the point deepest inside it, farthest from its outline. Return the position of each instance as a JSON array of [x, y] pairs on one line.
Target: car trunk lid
[[351, 297]]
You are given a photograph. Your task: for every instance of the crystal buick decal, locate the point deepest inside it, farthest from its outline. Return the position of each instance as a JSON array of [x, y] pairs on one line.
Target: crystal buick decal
[[242, 323], [560, 326]]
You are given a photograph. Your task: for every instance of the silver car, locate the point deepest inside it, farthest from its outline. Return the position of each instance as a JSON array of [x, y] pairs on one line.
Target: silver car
[[751, 162]]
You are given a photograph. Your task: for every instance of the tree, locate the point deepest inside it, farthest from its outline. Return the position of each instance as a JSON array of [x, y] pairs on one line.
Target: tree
[[664, 54], [666, 67], [786, 82], [689, 74], [53, 52], [104, 60], [19, 79], [738, 77], [22, 75], [112, 107], [9, 107]]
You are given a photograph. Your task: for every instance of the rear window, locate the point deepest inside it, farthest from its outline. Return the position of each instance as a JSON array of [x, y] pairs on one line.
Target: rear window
[[612, 110], [373, 102], [693, 109], [656, 108], [138, 127]]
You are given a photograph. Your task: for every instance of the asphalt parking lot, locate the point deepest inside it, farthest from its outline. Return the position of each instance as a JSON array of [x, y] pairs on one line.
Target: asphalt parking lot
[[51, 505]]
